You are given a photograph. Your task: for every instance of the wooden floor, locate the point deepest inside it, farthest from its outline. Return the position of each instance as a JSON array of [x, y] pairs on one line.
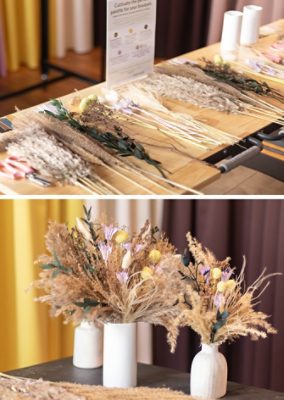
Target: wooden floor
[[240, 181]]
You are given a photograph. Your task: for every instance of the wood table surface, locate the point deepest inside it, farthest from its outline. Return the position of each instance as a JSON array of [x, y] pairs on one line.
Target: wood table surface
[[148, 375], [183, 161]]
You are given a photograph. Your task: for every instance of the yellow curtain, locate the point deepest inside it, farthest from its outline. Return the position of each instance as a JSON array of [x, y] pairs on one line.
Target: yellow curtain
[[27, 333], [22, 32]]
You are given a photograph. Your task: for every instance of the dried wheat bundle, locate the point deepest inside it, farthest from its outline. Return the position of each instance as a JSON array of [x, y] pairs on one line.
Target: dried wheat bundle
[[14, 388], [99, 272], [217, 305]]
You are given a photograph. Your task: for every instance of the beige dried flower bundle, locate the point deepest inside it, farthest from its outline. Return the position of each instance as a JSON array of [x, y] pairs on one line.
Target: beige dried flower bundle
[[216, 304], [99, 272], [16, 388]]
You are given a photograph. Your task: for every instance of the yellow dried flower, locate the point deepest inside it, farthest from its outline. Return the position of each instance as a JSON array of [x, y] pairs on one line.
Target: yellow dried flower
[[218, 60], [216, 273], [221, 287], [154, 256], [231, 284], [93, 97], [147, 273], [121, 237], [84, 103]]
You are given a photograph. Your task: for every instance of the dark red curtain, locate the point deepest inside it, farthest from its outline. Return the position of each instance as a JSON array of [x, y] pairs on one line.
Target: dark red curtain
[[182, 25], [254, 228]]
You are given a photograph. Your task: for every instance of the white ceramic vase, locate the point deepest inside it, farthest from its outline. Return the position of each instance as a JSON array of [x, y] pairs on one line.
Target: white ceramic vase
[[88, 346], [251, 24], [208, 376], [120, 355], [231, 33]]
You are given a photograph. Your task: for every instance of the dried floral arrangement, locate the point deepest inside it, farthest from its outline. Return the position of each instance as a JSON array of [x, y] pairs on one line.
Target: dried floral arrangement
[[187, 83], [216, 304], [224, 72], [91, 153], [16, 388], [52, 159], [105, 132], [99, 272], [130, 108]]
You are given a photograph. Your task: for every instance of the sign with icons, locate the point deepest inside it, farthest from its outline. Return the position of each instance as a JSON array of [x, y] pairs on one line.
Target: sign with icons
[[131, 26]]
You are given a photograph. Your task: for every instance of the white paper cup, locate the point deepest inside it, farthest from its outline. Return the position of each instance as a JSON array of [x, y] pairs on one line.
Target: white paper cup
[[251, 24], [231, 33]]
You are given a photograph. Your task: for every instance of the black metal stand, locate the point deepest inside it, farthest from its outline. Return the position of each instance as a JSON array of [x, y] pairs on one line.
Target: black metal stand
[[45, 65]]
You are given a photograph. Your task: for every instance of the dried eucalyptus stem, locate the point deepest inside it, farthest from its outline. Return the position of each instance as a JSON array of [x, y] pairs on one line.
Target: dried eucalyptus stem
[[117, 141]]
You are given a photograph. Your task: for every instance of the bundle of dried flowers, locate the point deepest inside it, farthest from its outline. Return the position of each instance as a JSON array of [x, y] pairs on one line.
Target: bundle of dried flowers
[[15, 388], [99, 272], [222, 71], [262, 62], [45, 154], [112, 137], [135, 106], [216, 304], [91, 151], [185, 82]]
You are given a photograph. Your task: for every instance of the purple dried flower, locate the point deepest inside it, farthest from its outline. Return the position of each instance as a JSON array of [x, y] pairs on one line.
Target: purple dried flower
[[204, 270], [105, 250], [139, 247], [254, 64], [127, 246], [219, 300], [226, 274], [122, 277], [109, 231]]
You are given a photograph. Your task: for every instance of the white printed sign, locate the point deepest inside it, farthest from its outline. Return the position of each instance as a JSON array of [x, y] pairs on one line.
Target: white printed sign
[[131, 26]]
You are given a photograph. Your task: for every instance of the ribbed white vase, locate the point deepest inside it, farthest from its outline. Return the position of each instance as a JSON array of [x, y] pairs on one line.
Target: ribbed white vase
[[208, 376], [120, 355], [88, 346]]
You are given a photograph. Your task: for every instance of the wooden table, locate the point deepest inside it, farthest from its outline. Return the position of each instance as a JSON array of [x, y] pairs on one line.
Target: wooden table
[[148, 375], [188, 169]]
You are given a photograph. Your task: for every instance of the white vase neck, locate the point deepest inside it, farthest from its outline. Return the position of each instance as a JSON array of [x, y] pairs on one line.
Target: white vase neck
[[210, 348], [87, 324]]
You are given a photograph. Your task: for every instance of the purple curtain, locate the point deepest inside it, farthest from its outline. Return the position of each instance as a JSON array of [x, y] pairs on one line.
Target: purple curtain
[[234, 228]]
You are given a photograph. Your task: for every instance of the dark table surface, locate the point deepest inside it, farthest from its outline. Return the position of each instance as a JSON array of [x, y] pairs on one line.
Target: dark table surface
[[148, 375]]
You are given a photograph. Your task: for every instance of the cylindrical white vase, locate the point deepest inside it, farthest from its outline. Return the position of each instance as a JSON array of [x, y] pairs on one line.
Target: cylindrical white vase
[[251, 24], [83, 25], [231, 33], [88, 346], [208, 375], [120, 355]]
